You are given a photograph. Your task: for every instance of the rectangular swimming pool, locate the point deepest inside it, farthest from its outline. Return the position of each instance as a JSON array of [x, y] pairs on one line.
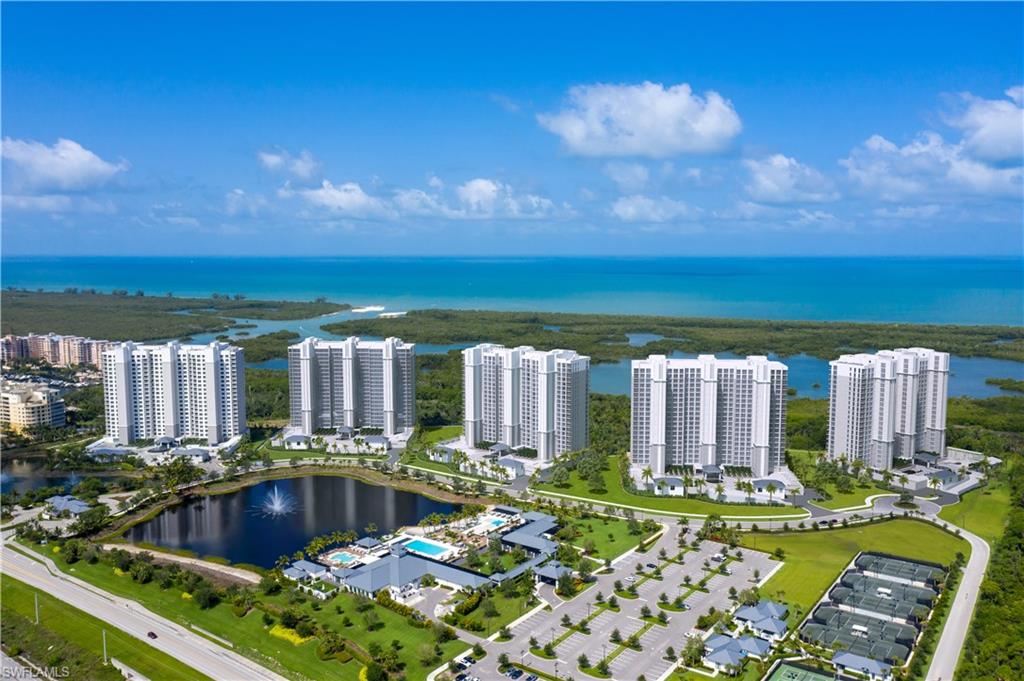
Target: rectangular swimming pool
[[426, 547]]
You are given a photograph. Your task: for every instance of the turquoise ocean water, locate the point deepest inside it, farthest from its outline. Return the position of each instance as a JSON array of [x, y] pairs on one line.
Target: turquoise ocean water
[[928, 290], [963, 291]]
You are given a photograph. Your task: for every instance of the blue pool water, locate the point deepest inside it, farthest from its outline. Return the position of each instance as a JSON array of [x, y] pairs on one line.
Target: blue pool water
[[343, 557], [429, 548], [497, 522]]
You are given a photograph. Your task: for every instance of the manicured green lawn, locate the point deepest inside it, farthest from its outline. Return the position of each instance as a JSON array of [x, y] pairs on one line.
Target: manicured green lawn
[[392, 627], [814, 558], [616, 494], [611, 536], [802, 457], [433, 434], [982, 511], [85, 631], [251, 637], [509, 610]]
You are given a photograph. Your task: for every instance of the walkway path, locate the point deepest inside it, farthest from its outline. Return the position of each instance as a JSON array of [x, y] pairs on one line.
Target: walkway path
[[951, 643], [234, 572]]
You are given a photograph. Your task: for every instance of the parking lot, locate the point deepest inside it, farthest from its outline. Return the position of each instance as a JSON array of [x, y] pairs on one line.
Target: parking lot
[[650, 660]]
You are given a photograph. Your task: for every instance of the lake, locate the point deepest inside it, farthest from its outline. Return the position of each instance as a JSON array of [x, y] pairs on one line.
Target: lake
[[233, 525], [24, 474]]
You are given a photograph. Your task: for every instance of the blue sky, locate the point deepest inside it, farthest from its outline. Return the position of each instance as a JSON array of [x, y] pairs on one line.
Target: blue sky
[[683, 129]]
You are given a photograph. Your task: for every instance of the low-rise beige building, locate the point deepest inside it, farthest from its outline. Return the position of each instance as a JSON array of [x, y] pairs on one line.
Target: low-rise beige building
[[27, 405]]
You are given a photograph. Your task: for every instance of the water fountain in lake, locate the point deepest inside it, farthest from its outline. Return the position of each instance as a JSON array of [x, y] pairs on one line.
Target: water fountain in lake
[[278, 503]]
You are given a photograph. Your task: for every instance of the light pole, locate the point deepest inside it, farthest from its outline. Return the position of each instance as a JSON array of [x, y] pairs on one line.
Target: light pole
[[35, 595]]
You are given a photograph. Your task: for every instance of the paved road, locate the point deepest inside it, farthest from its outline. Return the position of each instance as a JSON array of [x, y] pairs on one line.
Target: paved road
[[199, 653], [947, 653]]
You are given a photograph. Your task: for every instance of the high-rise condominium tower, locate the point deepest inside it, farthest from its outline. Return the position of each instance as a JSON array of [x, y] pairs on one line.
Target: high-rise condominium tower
[[887, 406], [523, 397], [174, 390], [695, 412], [352, 382]]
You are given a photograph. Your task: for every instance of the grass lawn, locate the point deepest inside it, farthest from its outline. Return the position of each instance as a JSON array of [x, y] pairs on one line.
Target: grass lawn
[[982, 511], [509, 610], [431, 435], [84, 630], [814, 558], [252, 638], [802, 458], [611, 536], [616, 494], [392, 627]]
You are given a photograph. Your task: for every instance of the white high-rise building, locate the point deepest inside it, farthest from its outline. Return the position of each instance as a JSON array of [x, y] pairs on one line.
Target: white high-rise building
[[530, 398], [708, 411], [174, 390], [887, 406], [353, 382]]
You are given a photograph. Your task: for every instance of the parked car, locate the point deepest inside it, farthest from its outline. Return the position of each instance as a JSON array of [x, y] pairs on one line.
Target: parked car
[[651, 565], [151, 634], [718, 557]]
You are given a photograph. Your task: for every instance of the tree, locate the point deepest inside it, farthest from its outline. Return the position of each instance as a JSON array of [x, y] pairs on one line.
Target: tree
[[693, 651], [583, 661], [566, 586]]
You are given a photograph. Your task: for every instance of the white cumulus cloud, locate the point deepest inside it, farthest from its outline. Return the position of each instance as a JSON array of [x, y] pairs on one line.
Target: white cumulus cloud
[[64, 166], [302, 166], [781, 179], [639, 208], [347, 199], [928, 165], [645, 119], [993, 129]]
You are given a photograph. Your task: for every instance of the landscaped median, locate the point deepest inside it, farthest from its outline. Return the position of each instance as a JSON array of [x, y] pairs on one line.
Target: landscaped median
[[614, 494]]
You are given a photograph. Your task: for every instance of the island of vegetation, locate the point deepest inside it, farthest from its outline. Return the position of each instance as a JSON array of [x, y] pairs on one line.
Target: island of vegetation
[[604, 337], [140, 316]]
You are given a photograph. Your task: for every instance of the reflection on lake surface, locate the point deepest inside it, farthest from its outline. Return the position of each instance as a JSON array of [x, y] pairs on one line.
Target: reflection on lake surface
[[234, 525], [22, 475]]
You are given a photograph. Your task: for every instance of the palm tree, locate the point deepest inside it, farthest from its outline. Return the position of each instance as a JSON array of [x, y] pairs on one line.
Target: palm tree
[[904, 480], [771, 492], [720, 490], [887, 477], [934, 483], [647, 475], [687, 481]]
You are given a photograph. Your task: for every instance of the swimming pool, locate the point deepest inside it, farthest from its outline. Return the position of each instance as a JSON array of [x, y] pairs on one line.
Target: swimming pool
[[343, 557], [427, 547], [497, 522]]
